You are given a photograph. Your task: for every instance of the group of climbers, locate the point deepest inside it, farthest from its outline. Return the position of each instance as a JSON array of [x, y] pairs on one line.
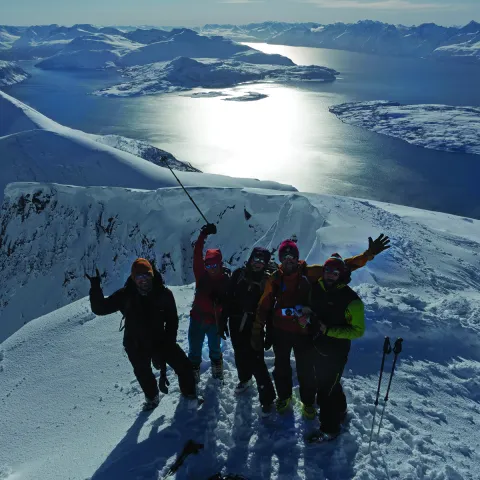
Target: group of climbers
[[309, 309]]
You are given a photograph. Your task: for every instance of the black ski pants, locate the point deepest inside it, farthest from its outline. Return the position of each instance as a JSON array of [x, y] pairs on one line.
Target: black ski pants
[[283, 344], [141, 357], [250, 362], [330, 397]]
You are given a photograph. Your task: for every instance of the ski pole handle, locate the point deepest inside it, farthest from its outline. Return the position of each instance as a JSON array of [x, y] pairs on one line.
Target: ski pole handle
[[397, 347], [387, 347]]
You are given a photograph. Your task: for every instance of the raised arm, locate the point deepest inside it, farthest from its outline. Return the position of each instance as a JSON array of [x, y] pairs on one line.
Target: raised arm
[[375, 247], [105, 306], [198, 265], [99, 304]]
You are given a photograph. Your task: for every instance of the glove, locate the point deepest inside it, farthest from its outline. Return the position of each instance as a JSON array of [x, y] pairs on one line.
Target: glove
[[163, 383], [94, 281], [209, 229], [256, 340], [378, 245]]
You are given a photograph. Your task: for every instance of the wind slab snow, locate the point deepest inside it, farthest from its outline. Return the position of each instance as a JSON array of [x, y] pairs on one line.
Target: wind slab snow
[[438, 127], [69, 403]]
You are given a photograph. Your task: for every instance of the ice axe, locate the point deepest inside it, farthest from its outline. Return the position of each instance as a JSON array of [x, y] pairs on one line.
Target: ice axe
[[164, 159], [190, 448]]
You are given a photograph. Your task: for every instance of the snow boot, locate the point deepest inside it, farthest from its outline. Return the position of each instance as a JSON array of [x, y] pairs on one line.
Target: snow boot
[[242, 386], [151, 403], [217, 369], [282, 405], [308, 412]]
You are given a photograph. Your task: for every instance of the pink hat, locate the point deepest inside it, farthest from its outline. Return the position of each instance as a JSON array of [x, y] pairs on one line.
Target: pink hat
[[288, 246]]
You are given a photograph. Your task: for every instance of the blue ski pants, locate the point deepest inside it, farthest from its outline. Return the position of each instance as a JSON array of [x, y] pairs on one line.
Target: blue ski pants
[[196, 335]]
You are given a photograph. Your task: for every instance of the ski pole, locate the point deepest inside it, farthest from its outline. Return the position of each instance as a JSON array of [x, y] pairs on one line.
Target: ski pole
[[397, 348], [164, 159], [387, 348]]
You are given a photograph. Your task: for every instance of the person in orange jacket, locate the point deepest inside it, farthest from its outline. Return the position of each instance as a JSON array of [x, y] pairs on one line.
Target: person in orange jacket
[[211, 284], [285, 300]]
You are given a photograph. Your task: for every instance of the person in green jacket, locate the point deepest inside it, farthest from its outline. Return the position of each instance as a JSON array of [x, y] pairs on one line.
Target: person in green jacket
[[337, 319]]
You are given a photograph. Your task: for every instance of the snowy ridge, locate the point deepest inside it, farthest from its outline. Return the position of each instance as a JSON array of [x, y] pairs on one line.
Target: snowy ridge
[[10, 73], [425, 288], [73, 157], [439, 127]]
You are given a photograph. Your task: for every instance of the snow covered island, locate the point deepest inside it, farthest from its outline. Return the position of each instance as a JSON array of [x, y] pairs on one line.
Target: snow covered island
[[439, 127], [10, 73], [186, 73]]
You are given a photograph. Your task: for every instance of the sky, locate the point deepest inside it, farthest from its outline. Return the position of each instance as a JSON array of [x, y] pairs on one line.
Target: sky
[[200, 12]]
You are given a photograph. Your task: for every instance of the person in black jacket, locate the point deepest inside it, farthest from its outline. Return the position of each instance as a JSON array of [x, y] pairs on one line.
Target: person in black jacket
[[244, 291], [151, 323], [338, 318]]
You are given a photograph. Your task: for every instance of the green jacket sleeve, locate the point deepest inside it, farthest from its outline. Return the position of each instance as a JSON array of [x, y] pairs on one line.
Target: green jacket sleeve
[[355, 328]]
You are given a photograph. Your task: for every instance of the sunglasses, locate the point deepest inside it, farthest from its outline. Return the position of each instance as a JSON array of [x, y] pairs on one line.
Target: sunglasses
[[289, 256], [258, 260], [333, 271], [212, 265], [143, 276]]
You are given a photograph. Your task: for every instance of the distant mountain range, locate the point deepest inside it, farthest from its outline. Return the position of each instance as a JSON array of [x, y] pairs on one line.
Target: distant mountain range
[[367, 36]]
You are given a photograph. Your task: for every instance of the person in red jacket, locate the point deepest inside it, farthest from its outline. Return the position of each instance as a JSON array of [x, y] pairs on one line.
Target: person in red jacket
[[211, 283]]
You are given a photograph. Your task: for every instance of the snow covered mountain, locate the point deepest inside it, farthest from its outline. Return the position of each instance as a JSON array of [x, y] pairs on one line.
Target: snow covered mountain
[[11, 73], [92, 52], [365, 36], [35, 148], [69, 402], [8, 36], [439, 127]]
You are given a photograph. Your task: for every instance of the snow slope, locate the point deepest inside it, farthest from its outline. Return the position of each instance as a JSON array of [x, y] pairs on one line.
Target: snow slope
[[69, 403], [11, 73], [439, 127], [186, 73], [35, 148]]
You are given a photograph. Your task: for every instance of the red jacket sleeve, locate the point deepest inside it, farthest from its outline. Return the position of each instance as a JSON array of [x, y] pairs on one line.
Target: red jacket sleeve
[[198, 265]]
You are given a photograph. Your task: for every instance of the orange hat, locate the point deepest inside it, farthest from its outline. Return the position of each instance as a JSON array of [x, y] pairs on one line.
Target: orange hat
[[141, 265]]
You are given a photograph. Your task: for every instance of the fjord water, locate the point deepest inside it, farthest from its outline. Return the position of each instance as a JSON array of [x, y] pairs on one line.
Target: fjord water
[[290, 136]]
